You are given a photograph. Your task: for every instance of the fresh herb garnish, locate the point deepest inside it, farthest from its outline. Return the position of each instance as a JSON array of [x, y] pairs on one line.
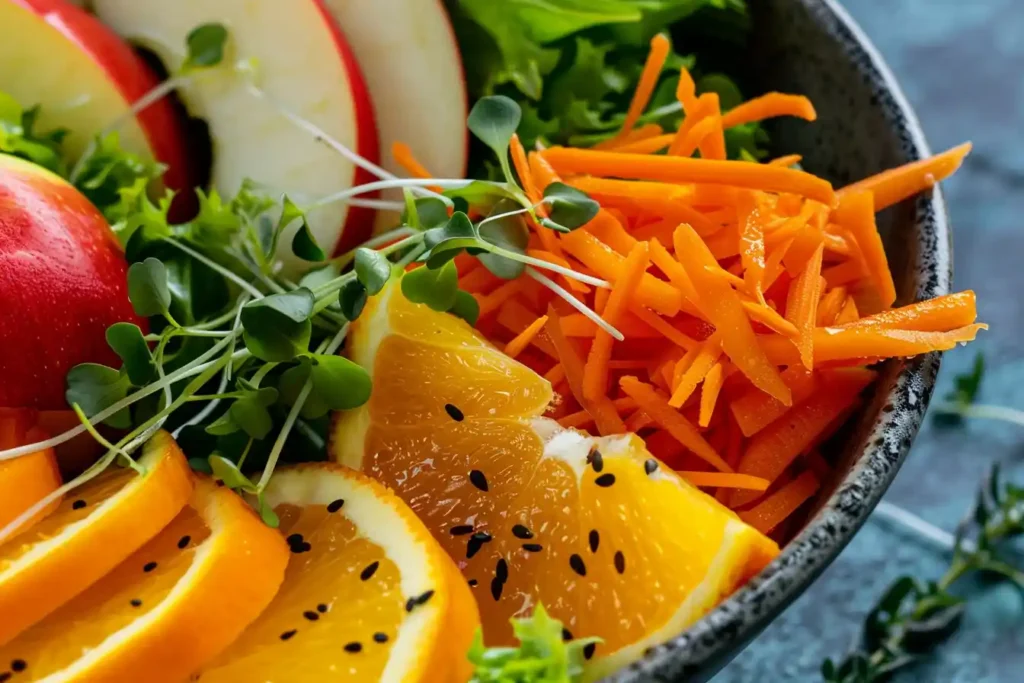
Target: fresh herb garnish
[[19, 138], [965, 391], [542, 656]]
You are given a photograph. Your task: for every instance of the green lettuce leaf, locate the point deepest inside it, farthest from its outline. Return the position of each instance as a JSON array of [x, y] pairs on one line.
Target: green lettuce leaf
[[19, 138]]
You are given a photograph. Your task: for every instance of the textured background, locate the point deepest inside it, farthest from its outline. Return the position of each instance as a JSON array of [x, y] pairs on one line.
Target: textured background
[[961, 64]]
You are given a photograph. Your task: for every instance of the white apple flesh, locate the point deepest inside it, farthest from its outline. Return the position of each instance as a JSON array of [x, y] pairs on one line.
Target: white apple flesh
[[411, 61], [85, 78], [302, 62]]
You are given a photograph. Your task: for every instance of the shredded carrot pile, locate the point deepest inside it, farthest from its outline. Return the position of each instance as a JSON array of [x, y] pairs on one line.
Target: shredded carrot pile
[[752, 299]]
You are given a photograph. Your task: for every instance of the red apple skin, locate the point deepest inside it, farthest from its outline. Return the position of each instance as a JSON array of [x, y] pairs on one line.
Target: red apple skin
[[63, 281], [162, 126], [359, 219]]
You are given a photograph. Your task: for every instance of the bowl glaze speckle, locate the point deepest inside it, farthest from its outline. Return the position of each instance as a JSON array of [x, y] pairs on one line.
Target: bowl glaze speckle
[[865, 126]]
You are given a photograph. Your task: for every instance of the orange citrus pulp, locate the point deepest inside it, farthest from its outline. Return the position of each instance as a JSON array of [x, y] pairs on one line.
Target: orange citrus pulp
[[27, 479]]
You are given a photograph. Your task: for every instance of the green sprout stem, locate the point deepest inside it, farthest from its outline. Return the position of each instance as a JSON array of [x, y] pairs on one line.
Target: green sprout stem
[[255, 293], [575, 303]]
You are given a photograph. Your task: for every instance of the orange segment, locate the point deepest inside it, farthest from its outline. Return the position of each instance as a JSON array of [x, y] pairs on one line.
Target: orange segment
[[91, 531], [28, 479], [368, 594], [611, 542], [169, 607]]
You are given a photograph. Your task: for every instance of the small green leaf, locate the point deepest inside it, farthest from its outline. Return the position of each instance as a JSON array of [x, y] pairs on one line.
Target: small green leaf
[[201, 465], [304, 245], [223, 425], [267, 513], [291, 383], [339, 382], [95, 388], [510, 234], [410, 216], [228, 472], [252, 416], [570, 208], [128, 343], [372, 269], [277, 327], [466, 307], [456, 234], [205, 44], [147, 287], [352, 299], [319, 277], [432, 212], [494, 120], [435, 288]]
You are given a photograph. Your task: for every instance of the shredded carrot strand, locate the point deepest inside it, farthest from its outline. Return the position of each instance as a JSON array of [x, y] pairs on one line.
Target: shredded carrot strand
[[787, 160], [709, 393], [755, 410], [517, 318], [849, 313], [595, 373], [778, 506], [705, 359], [802, 306], [768, 106], [660, 47], [556, 374], [934, 315], [550, 257], [895, 185], [856, 212], [830, 306], [689, 140], [524, 338], [663, 328], [672, 421], [405, 158], [582, 417], [645, 145], [522, 167], [752, 250], [686, 91], [492, 301], [727, 480]]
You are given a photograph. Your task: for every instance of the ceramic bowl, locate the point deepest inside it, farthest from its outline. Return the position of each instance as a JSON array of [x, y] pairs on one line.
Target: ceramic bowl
[[865, 126]]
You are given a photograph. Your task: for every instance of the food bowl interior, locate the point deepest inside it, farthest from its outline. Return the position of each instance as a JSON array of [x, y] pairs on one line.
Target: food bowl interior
[[864, 126]]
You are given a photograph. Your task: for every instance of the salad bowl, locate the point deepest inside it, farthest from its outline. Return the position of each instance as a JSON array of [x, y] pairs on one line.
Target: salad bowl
[[865, 125]]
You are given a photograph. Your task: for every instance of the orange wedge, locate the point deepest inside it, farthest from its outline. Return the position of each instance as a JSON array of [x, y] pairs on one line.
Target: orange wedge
[[167, 609], [92, 530], [368, 595], [614, 544], [26, 480]]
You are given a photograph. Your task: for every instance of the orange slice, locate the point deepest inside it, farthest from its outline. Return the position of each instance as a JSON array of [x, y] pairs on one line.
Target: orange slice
[[368, 595], [26, 480], [91, 531], [614, 544], [167, 609]]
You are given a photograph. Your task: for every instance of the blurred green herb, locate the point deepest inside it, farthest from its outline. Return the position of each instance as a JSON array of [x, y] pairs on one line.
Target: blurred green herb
[[965, 391]]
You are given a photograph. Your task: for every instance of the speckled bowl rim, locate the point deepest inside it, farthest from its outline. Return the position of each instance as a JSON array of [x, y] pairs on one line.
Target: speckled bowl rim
[[716, 638]]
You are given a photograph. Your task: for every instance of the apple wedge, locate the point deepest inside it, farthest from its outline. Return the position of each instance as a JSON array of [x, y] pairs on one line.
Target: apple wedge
[[413, 67], [85, 77], [302, 62]]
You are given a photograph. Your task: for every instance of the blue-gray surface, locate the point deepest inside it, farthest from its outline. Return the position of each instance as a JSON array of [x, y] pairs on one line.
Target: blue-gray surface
[[960, 64]]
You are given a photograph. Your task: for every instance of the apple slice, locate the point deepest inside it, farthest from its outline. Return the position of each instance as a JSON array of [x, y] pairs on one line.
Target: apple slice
[[411, 60], [85, 77], [304, 63]]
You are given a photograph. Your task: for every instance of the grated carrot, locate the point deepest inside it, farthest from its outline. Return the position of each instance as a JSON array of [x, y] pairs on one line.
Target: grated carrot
[[802, 306], [606, 418], [644, 132], [491, 302], [712, 145], [663, 328], [856, 212], [768, 106], [754, 410], [405, 158], [845, 273], [839, 244], [645, 145], [830, 306], [582, 417], [542, 172], [787, 160], [709, 393], [556, 374], [768, 316], [479, 281], [686, 90], [752, 250], [725, 311], [609, 230], [595, 372], [688, 140], [517, 318], [685, 170], [778, 506], [660, 47], [849, 313], [727, 480], [526, 337], [676, 274], [522, 167], [895, 185], [699, 367], [672, 421], [934, 315]]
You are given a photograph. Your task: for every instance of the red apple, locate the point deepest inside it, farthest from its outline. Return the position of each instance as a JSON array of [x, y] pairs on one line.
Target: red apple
[[303, 62], [408, 53], [63, 281], [85, 77]]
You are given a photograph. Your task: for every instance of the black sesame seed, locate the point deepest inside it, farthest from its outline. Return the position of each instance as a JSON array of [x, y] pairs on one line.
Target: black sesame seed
[[422, 599], [501, 570], [477, 478], [605, 480], [78, 504], [588, 650], [18, 665], [453, 412], [532, 547], [520, 531], [136, 602], [461, 530], [594, 539], [596, 460], [410, 604], [566, 634], [184, 541], [148, 567], [379, 637], [370, 570], [303, 548], [5, 676], [311, 615], [476, 541], [473, 582], [335, 505], [650, 465], [496, 588], [321, 608], [288, 634], [353, 647], [294, 539], [576, 562], [620, 562]]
